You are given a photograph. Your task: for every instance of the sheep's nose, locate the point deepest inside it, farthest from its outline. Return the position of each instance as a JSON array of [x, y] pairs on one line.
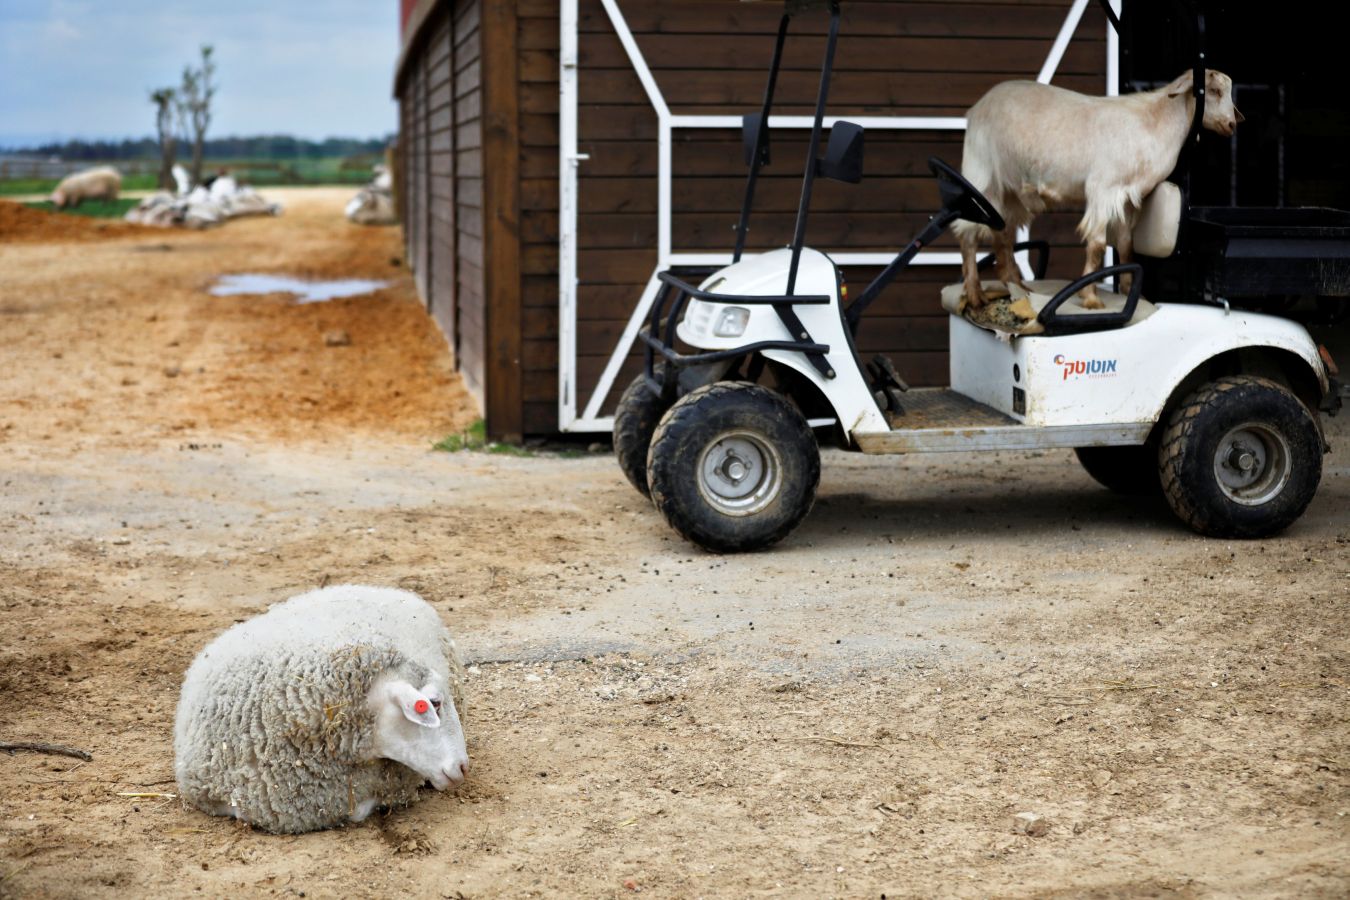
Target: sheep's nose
[[464, 769]]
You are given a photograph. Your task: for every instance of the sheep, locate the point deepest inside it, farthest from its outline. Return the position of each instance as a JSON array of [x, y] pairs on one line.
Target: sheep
[[374, 203], [100, 183], [371, 206], [1031, 147], [321, 709]]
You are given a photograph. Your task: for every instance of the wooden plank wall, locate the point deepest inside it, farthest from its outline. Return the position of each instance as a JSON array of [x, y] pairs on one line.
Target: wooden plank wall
[[414, 201], [441, 142], [471, 331], [501, 214], [440, 220], [711, 56]]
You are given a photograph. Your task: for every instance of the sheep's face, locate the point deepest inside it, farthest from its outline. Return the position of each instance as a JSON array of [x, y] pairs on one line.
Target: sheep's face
[[419, 727], [59, 199]]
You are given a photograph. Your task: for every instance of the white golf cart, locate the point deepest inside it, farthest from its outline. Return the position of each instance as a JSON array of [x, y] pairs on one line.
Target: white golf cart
[[1215, 408]]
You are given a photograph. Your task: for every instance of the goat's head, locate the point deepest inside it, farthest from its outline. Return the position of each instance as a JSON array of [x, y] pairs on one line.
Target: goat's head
[[1221, 116]]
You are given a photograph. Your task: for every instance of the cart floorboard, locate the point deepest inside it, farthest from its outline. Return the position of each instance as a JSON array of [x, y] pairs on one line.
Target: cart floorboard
[[937, 420], [944, 408]]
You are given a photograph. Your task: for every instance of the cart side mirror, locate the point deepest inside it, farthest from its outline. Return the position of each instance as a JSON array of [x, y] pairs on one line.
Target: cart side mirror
[[844, 154], [750, 126]]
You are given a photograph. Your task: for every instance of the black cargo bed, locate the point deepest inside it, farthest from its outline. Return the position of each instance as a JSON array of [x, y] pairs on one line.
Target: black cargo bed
[[1272, 252]]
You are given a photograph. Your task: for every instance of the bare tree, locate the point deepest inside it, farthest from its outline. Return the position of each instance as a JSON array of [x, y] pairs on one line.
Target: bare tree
[[166, 111], [197, 91]]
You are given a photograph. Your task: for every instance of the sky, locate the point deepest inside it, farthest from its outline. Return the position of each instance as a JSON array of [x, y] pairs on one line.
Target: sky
[[85, 68]]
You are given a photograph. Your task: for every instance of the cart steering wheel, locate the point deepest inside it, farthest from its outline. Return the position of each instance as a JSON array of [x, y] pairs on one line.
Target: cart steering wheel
[[960, 196]]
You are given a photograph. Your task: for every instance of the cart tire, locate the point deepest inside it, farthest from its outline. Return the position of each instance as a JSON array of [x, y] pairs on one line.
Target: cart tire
[[1132, 471], [733, 430], [635, 422], [1241, 458]]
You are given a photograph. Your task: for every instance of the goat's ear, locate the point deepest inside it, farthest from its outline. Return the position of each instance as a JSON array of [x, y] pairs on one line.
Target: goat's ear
[[416, 706], [1182, 85]]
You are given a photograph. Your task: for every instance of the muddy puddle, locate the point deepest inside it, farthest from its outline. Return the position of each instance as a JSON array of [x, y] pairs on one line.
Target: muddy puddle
[[304, 291]]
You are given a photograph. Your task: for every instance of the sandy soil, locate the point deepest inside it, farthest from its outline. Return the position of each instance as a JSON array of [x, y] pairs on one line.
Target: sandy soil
[[945, 643]]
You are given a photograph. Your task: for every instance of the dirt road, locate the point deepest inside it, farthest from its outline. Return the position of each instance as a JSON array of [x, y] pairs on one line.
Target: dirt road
[[945, 643]]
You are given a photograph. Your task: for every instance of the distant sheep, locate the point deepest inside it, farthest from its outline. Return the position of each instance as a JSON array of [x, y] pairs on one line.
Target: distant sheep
[[1031, 147], [371, 207], [101, 183], [323, 708], [374, 204]]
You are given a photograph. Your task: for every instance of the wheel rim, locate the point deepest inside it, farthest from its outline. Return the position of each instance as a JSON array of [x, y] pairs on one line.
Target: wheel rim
[[739, 473], [1252, 464]]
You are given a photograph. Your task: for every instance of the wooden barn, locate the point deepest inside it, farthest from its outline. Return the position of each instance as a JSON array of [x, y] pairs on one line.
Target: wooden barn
[[555, 154]]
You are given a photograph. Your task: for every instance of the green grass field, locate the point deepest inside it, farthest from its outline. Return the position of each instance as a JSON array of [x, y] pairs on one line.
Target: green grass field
[[285, 172], [14, 186], [257, 172], [98, 209]]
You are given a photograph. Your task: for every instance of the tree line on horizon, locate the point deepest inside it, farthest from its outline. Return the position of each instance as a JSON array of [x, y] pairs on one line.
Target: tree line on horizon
[[263, 146]]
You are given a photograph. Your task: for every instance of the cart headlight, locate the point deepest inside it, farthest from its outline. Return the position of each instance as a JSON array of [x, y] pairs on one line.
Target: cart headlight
[[731, 321]]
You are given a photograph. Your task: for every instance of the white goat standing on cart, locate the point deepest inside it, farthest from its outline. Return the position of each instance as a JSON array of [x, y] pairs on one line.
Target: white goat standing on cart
[[1031, 147]]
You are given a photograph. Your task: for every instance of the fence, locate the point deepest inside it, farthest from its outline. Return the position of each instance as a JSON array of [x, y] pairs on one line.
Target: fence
[[16, 167]]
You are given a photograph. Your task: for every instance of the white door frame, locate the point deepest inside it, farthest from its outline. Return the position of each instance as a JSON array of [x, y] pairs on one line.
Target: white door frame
[[588, 419]]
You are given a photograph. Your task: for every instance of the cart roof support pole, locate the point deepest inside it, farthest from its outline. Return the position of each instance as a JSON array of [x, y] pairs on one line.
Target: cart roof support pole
[[813, 147], [761, 138]]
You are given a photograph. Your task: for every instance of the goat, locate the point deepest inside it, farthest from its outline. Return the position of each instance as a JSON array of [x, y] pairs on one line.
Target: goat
[[1030, 147]]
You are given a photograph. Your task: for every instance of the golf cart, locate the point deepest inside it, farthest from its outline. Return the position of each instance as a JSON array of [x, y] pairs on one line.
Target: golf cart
[[1213, 407]]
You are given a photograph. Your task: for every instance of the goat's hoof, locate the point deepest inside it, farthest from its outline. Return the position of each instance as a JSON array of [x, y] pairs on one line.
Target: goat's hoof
[[1093, 303]]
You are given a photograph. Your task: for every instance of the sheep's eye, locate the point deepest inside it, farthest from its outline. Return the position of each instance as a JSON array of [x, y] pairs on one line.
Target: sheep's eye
[[436, 705]]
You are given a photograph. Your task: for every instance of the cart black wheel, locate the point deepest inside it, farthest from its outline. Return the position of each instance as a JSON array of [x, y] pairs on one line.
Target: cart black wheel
[[1132, 471], [733, 467], [1241, 457], [635, 421]]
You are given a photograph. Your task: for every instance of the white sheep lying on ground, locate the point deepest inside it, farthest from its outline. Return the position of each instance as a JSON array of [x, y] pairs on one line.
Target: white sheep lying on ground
[[1031, 147], [100, 183], [202, 207], [374, 203], [321, 709], [371, 207]]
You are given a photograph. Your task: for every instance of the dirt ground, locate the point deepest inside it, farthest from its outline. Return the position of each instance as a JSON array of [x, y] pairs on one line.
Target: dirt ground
[[945, 643]]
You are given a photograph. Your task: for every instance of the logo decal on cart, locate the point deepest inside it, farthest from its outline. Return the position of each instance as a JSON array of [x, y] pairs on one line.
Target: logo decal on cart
[[1090, 368]]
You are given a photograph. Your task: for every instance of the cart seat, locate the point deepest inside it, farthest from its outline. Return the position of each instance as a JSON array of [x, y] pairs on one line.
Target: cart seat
[[1014, 316], [1155, 233]]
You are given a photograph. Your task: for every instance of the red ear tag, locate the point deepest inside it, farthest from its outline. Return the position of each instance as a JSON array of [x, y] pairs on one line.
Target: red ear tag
[[421, 707]]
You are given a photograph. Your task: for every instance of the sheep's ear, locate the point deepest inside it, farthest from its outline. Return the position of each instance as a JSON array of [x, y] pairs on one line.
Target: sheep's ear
[[1182, 85], [416, 706]]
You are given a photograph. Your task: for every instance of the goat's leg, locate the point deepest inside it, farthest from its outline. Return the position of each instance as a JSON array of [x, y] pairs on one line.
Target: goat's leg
[[1124, 254], [1124, 244], [1096, 251], [1008, 272], [969, 236]]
